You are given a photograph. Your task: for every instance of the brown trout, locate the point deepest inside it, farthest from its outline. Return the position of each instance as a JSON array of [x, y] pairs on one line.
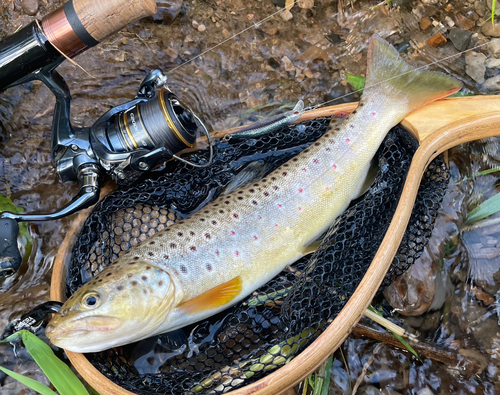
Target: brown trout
[[202, 265]]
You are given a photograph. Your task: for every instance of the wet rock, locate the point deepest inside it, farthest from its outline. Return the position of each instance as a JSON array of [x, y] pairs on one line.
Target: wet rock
[[167, 10], [425, 391], [493, 63], [475, 66], [279, 3], [413, 292], [437, 40], [425, 23], [464, 22], [430, 1], [405, 5], [272, 31], [171, 53], [30, 7], [226, 33], [287, 63], [201, 27], [492, 84], [308, 4], [286, 15], [491, 30], [460, 38], [494, 46], [480, 7]]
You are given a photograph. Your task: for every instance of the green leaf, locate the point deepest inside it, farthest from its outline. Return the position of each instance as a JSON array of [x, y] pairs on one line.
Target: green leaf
[[33, 384], [328, 375], [59, 374], [401, 340], [357, 81], [485, 209], [7, 205]]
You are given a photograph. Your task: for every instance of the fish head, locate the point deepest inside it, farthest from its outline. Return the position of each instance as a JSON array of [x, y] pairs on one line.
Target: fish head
[[126, 302]]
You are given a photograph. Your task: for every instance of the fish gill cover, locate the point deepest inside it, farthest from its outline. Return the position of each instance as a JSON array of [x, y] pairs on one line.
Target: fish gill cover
[[283, 317]]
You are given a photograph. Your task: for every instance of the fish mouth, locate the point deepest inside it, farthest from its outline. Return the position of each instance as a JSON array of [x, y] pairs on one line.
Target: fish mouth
[[79, 327]]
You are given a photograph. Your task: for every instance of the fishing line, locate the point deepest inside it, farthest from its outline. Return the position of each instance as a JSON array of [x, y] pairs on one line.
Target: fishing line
[[396, 76], [256, 24]]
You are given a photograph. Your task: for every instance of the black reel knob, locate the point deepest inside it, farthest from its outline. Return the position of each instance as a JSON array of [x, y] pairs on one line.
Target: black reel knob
[[10, 258]]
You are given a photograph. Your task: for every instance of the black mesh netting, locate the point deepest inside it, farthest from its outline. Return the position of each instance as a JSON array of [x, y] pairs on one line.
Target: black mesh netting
[[281, 318]]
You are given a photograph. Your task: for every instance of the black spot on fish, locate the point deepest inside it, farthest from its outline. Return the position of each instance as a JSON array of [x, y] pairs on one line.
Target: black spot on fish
[[151, 242], [354, 112], [216, 205], [119, 287], [191, 233], [202, 219], [207, 235], [180, 234], [184, 269], [266, 193], [206, 212], [160, 283], [173, 245], [316, 144], [193, 248], [168, 230], [255, 185], [240, 192], [226, 202], [235, 215], [240, 198], [209, 267], [129, 275], [150, 253], [306, 150], [144, 278], [252, 190], [133, 283], [165, 256], [214, 222], [284, 174], [136, 258], [221, 211], [148, 267], [337, 129], [109, 274], [254, 202], [286, 165], [273, 178], [276, 187], [327, 134]]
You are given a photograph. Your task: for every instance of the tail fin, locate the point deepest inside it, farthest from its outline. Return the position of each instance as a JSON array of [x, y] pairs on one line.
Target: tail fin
[[388, 73]]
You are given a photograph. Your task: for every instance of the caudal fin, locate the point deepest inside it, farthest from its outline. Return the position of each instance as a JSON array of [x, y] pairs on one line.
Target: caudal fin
[[398, 81]]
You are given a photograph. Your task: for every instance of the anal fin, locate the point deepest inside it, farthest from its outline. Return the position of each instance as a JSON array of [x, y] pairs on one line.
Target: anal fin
[[213, 298]]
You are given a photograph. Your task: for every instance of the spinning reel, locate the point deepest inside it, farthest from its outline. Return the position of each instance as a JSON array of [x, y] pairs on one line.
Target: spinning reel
[[125, 143]]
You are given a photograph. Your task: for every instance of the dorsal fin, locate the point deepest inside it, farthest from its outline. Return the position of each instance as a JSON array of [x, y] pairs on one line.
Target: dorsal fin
[[213, 298]]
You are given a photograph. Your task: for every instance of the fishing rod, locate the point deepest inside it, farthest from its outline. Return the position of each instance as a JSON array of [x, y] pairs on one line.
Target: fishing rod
[[125, 143]]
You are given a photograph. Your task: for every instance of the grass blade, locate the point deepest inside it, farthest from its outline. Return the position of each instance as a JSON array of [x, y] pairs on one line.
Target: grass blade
[[485, 209], [59, 374], [328, 376], [30, 383]]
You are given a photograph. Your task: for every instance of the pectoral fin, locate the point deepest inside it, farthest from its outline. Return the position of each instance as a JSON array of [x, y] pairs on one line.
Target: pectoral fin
[[214, 298]]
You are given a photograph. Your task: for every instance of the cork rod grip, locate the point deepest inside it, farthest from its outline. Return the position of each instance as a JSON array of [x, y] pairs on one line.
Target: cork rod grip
[[103, 18]]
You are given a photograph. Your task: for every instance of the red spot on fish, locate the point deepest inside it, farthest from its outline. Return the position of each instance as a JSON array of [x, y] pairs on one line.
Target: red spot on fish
[[255, 238], [301, 190], [315, 161], [279, 206], [373, 114], [300, 208], [347, 140], [334, 166], [327, 189], [217, 252], [236, 253], [304, 169], [295, 112], [260, 217], [276, 225], [233, 233]]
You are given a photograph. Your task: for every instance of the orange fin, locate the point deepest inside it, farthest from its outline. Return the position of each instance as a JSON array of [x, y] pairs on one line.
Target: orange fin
[[213, 298]]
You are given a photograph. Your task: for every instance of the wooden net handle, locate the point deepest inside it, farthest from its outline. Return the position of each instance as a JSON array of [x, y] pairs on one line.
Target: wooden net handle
[[105, 17]]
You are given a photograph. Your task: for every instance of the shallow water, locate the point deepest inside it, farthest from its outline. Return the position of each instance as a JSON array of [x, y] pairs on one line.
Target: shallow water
[[275, 63]]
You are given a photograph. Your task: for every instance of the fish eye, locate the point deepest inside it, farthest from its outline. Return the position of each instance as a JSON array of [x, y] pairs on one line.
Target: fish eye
[[91, 300]]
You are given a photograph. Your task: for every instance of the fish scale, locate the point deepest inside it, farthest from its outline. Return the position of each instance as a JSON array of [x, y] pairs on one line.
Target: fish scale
[[216, 257]]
